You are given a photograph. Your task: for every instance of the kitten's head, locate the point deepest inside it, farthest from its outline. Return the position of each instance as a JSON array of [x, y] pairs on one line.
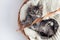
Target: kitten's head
[[35, 11]]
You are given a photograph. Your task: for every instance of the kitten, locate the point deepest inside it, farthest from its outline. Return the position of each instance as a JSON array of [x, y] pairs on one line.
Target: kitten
[[46, 28], [33, 12]]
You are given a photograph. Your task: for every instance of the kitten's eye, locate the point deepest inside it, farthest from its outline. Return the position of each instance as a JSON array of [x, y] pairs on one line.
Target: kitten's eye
[[33, 11]]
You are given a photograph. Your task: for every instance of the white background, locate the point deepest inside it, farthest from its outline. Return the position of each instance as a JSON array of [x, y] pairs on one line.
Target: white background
[[8, 20]]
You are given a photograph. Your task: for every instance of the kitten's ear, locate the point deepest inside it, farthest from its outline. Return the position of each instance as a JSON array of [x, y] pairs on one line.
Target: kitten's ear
[[31, 6], [41, 7]]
